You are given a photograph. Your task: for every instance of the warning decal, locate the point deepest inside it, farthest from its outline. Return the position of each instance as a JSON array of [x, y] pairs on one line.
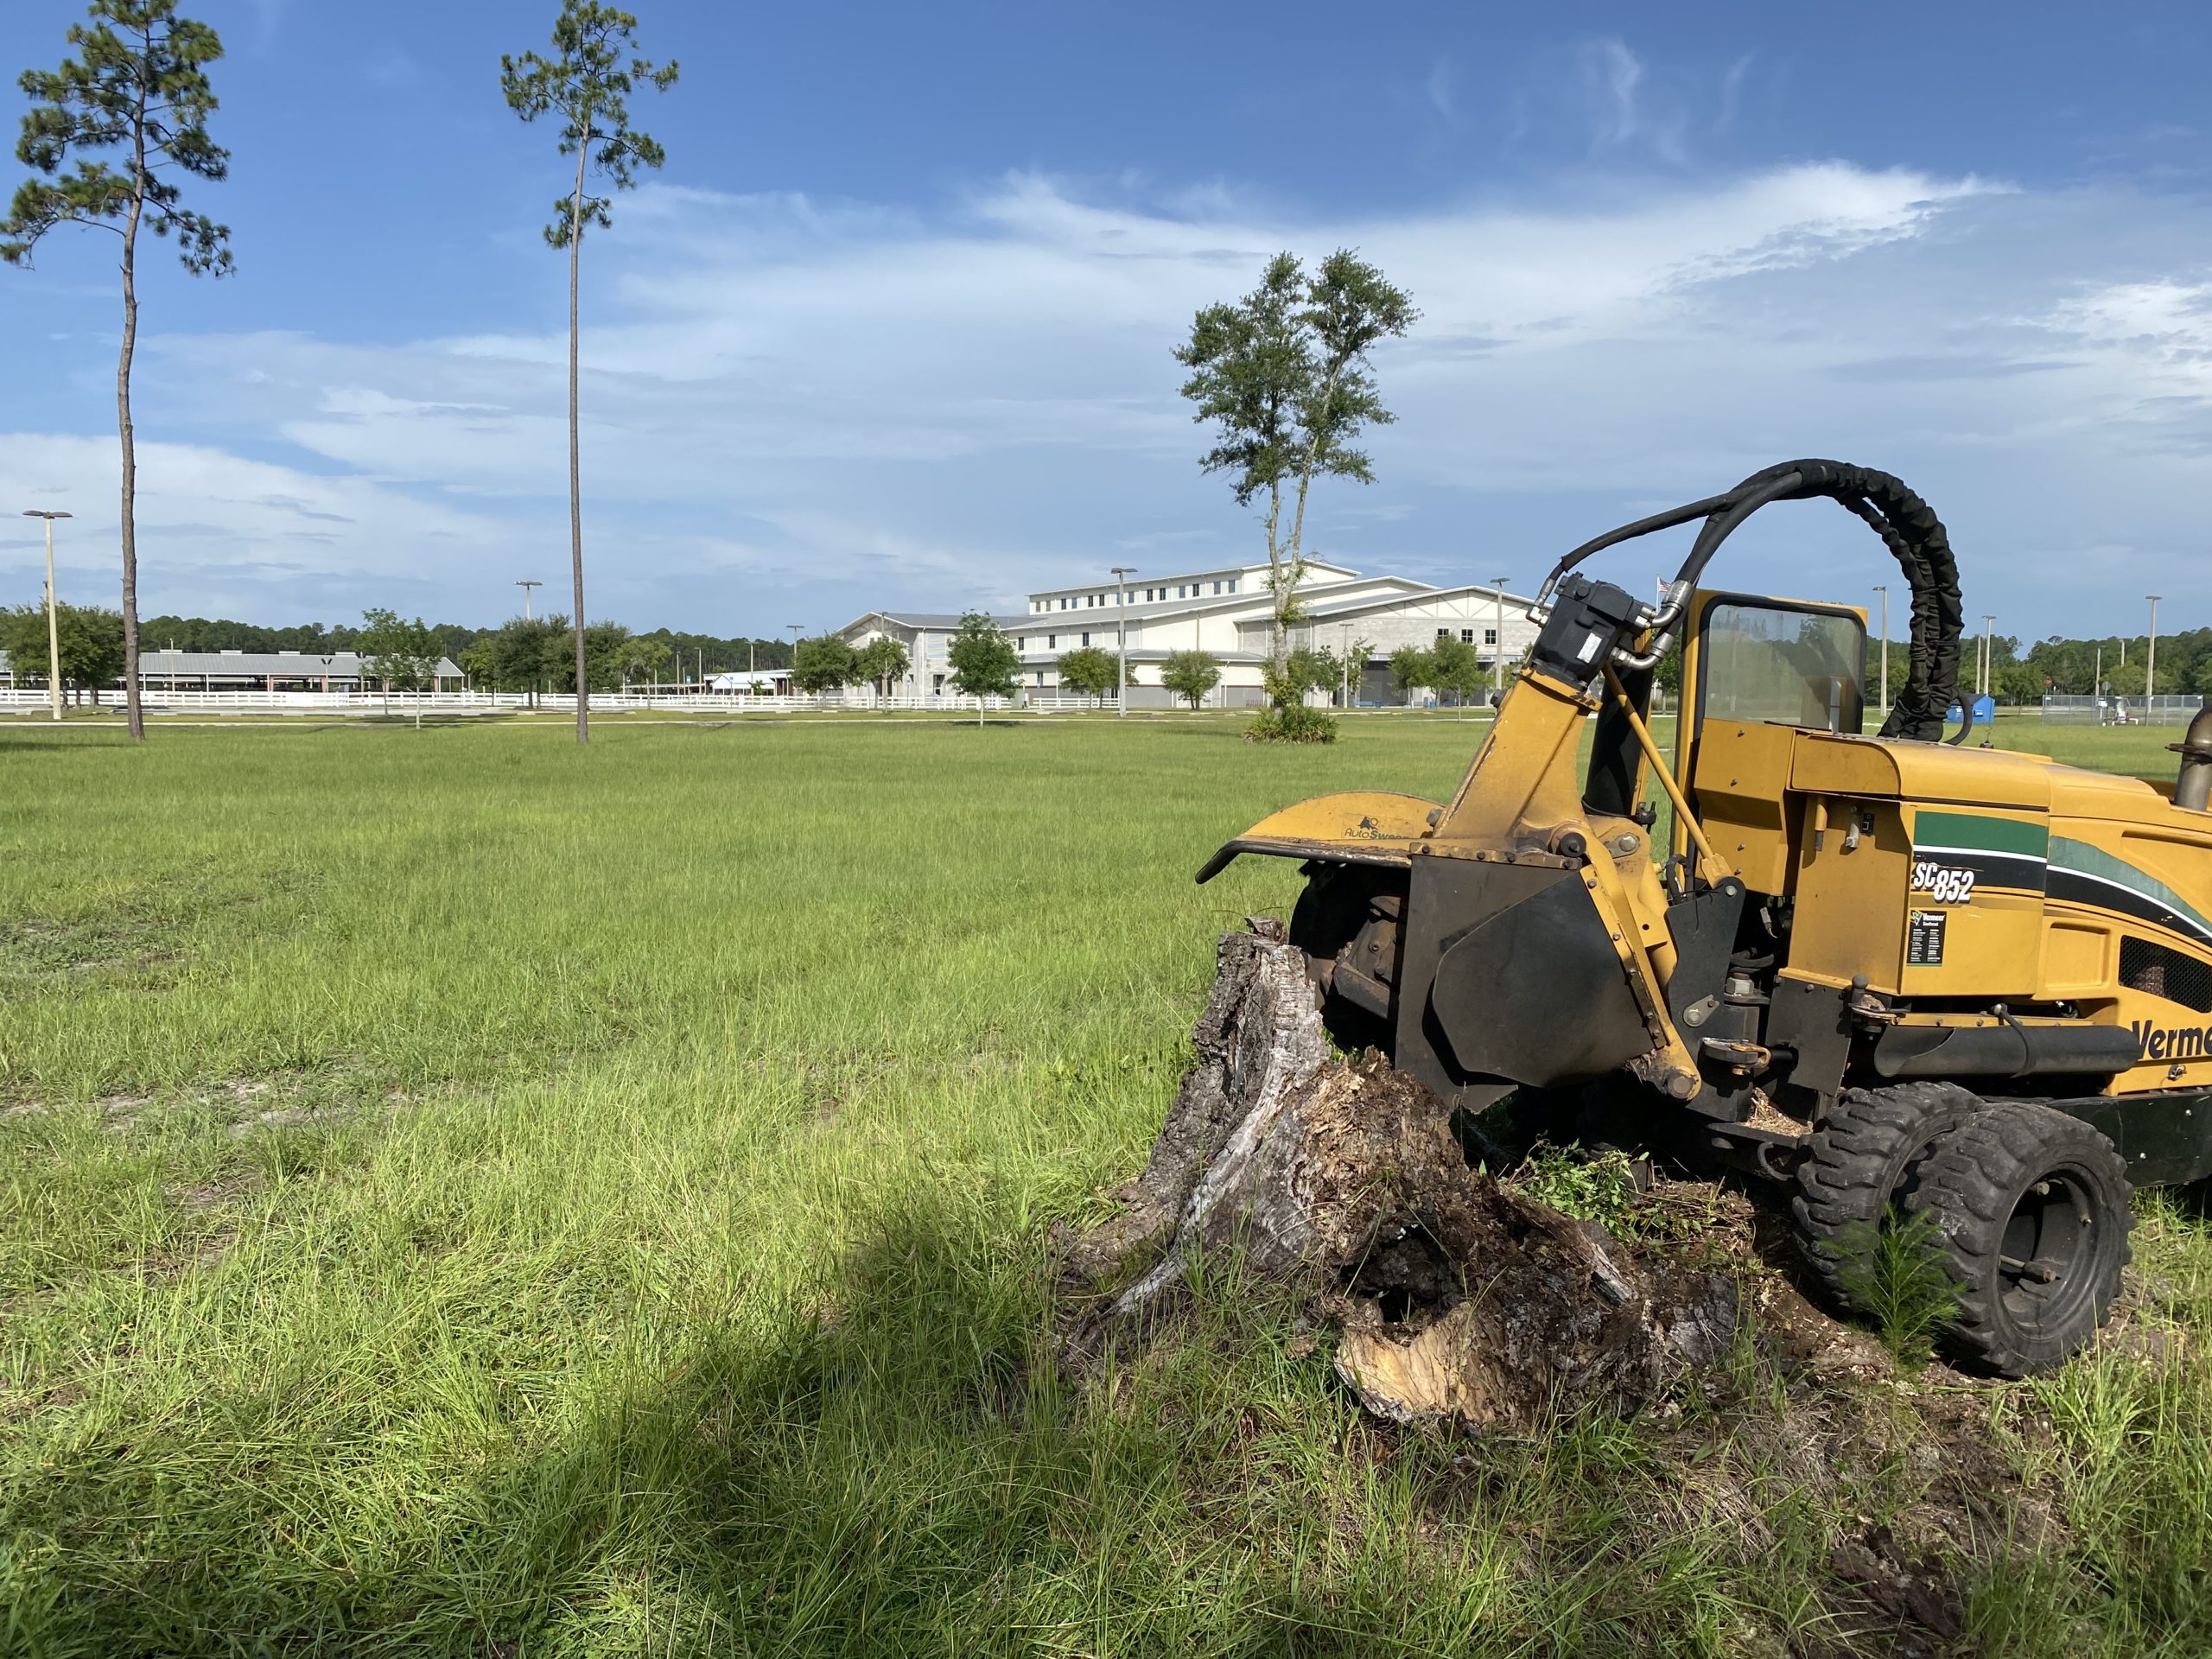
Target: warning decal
[[1924, 939]]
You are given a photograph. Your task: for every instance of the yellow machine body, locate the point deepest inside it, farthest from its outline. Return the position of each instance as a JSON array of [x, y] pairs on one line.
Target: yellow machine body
[[1937, 911]]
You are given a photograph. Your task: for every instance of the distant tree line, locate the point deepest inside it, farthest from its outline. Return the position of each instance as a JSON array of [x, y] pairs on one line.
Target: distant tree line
[[202, 633]]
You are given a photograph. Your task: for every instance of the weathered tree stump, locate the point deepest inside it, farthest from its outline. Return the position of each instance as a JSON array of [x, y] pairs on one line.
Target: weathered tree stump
[[1454, 1296]]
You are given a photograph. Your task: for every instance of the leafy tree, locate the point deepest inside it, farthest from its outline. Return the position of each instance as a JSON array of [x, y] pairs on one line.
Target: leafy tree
[[91, 641], [1456, 667], [1313, 669], [1088, 671], [1411, 668], [823, 664], [478, 661], [528, 652], [643, 656], [393, 649], [1191, 675], [1283, 376], [984, 661], [882, 661], [587, 85], [139, 85]]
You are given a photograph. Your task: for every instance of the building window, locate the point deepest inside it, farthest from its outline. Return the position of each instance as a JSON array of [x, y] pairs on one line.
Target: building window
[[1232, 584], [1466, 636], [1489, 636], [1086, 638], [1179, 591], [1051, 642], [1022, 644], [1444, 633], [1217, 587]]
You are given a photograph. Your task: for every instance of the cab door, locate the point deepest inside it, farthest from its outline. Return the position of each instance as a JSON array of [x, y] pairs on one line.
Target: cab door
[[1755, 672]]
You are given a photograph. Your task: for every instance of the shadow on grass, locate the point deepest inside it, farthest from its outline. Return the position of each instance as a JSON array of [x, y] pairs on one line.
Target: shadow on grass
[[890, 1464]]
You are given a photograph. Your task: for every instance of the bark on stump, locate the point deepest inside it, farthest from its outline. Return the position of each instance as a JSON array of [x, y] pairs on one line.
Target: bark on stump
[[1454, 1296]]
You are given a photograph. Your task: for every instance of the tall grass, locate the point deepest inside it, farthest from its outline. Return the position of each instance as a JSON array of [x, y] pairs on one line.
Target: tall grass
[[462, 1195]]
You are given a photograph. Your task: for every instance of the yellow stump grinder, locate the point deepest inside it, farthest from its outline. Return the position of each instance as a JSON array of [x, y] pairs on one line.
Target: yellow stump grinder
[[1887, 971]]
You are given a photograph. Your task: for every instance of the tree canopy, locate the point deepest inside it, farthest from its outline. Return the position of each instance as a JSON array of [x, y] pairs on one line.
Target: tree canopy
[[140, 74], [881, 662], [91, 640], [1284, 377], [1088, 671], [138, 86], [984, 661], [823, 664], [1191, 675]]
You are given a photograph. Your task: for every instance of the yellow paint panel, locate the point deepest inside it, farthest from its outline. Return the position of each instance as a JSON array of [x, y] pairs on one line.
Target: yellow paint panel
[[1737, 779], [2078, 960], [1850, 914], [1358, 819]]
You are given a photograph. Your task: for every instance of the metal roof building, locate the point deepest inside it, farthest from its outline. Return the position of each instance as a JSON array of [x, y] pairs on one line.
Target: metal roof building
[[257, 670]]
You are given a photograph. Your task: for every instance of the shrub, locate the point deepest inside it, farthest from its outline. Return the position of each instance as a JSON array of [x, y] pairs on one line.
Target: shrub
[[1292, 722]]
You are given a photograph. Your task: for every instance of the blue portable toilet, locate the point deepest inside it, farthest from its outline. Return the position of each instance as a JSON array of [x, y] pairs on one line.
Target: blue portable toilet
[[1984, 712]]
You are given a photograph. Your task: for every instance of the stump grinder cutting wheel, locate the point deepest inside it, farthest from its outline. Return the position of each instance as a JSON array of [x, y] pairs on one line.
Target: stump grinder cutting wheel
[[1883, 971]]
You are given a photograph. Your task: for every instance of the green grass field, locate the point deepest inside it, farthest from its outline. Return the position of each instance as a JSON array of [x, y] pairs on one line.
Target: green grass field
[[462, 1195]]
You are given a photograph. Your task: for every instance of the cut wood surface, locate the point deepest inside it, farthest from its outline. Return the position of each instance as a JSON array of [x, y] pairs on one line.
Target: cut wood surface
[[1455, 1296]]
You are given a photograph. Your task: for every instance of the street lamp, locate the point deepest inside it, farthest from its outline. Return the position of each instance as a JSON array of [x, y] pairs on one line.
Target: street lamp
[[1882, 589], [1121, 574], [1988, 659], [2151, 657], [1497, 656], [526, 587], [794, 627], [53, 627]]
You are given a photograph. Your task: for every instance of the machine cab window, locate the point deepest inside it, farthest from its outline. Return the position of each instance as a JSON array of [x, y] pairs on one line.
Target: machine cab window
[[1770, 662]]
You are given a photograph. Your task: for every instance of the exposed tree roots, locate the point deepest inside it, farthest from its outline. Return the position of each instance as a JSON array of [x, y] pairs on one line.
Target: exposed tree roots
[[1456, 1296]]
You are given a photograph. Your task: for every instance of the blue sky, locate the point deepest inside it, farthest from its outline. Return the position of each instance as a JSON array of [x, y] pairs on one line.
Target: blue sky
[[892, 328]]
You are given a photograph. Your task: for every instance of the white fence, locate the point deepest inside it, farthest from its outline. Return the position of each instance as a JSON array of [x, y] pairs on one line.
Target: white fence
[[2121, 711], [408, 704]]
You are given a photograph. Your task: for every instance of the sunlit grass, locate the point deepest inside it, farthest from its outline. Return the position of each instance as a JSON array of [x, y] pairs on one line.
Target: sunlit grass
[[457, 1192]]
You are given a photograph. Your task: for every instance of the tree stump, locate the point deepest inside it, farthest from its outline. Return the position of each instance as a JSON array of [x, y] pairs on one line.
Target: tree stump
[[1454, 1297]]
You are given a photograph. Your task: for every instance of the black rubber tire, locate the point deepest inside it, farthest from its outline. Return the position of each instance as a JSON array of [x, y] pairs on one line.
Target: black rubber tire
[[2027, 1184], [1866, 1158]]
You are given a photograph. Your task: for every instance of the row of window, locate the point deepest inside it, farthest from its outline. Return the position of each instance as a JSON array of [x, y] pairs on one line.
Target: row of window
[[1146, 596], [1052, 641], [1467, 636]]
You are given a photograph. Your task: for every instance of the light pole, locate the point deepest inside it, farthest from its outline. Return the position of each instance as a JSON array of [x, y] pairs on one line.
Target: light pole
[[2151, 657], [794, 627], [1497, 656], [1988, 656], [1343, 658], [1121, 574], [53, 627], [1883, 701], [526, 587]]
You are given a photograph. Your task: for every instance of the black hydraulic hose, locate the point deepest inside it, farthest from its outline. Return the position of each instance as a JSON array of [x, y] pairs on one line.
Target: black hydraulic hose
[[1907, 526], [1658, 521]]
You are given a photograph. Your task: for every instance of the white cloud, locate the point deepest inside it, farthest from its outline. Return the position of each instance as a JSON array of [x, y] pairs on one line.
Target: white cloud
[[831, 406]]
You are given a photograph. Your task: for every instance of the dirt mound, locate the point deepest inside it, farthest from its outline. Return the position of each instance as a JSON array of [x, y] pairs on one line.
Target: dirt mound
[[1455, 1298]]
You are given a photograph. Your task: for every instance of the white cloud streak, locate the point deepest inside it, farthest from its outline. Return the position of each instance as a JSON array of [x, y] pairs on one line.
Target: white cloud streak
[[792, 403]]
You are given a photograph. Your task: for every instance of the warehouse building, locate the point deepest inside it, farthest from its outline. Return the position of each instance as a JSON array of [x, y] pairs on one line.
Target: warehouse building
[[1224, 611], [258, 670]]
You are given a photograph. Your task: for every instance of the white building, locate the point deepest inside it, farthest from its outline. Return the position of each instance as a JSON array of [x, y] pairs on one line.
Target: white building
[[257, 670], [1225, 610]]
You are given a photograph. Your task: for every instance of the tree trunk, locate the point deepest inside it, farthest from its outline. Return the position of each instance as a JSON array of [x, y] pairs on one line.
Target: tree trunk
[[134, 706], [1345, 1181], [576, 460]]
